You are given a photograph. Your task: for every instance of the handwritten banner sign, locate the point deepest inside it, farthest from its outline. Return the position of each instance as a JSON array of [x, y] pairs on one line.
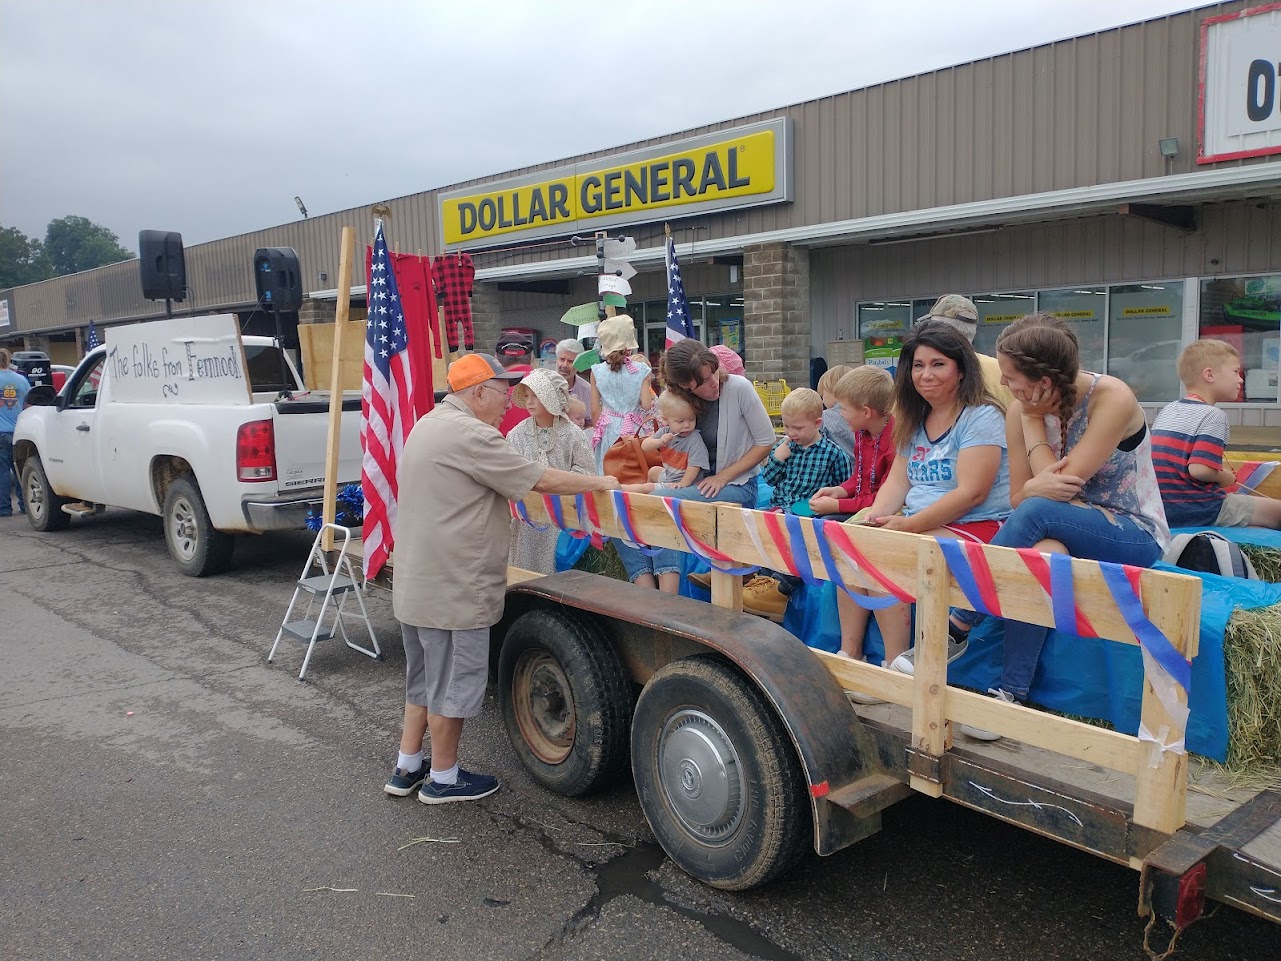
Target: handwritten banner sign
[[184, 360]]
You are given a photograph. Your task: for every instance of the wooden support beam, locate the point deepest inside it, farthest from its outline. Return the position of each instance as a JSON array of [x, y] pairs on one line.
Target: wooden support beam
[[329, 508], [727, 590], [931, 733]]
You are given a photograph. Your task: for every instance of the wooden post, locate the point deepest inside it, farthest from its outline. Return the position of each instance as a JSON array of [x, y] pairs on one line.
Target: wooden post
[[1161, 790], [329, 511], [930, 729], [727, 590]]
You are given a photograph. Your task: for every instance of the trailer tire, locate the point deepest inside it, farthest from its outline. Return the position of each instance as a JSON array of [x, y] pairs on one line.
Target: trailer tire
[[195, 545], [717, 777], [44, 507], [566, 700]]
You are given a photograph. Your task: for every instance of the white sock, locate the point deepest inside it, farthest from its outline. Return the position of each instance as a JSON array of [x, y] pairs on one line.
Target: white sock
[[445, 777], [409, 762]]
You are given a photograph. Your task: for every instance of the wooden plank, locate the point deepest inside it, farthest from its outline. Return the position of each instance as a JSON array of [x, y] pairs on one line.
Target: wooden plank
[[518, 575], [318, 356], [329, 506], [727, 590], [1161, 798], [931, 733], [652, 523], [895, 555]]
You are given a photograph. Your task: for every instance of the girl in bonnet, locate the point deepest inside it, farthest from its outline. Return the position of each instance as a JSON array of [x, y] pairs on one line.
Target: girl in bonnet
[[550, 438]]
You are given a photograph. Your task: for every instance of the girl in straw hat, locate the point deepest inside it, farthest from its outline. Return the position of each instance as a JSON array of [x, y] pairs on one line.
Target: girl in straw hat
[[622, 387], [547, 437]]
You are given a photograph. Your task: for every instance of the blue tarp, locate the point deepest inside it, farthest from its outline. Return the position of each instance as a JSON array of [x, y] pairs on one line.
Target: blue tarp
[[1084, 676]]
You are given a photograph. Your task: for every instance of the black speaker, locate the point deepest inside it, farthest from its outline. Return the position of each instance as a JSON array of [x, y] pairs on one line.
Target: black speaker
[[161, 263], [278, 278]]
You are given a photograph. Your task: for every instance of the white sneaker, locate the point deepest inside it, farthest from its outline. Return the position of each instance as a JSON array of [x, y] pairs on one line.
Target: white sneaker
[[905, 663], [978, 733]]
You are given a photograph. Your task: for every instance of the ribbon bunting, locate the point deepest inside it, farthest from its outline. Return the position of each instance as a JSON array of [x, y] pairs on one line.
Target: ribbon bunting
[[622, 504], [519, 512], [719, 560], [552, 503], [836, 533], [791, 546], [1056, 591], [968, 565], [589, 519], [865, 601], [1167, 670]]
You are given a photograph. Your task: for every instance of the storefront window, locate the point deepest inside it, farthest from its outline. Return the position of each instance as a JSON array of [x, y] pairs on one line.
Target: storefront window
[[998, 311], [1246, 312], [1145, 326], [1083, 308], [885, 318]]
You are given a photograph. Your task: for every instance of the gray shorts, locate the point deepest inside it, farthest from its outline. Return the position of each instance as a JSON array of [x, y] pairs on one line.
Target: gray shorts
[[1237, 510], [446, 671]]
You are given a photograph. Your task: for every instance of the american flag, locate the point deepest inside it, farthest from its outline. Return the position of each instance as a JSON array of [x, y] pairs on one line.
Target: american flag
[[92, 341], [387, 410], [679, 324]]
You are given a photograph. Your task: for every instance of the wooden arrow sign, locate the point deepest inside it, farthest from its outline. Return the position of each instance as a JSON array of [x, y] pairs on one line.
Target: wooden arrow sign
[[619, 268], [619, 248]]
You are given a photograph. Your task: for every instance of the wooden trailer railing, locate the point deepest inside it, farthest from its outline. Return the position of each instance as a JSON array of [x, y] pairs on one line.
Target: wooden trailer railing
[[917, 567]]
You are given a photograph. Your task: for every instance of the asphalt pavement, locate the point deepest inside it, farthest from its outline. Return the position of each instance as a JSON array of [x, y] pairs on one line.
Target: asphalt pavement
[[166, 793]]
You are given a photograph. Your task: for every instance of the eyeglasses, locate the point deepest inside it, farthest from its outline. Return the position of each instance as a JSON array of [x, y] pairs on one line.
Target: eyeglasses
[[495, 390]]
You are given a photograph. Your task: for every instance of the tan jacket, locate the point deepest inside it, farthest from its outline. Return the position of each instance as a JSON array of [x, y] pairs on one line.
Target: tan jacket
[[453, 524], [992, 380]]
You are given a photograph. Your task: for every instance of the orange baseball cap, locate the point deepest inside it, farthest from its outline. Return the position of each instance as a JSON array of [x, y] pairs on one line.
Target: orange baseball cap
[[472, 369]]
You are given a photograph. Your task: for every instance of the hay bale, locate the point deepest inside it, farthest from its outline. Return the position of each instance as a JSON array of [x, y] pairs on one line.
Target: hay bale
[[1252, 656], [604, 562], [1266, 561]]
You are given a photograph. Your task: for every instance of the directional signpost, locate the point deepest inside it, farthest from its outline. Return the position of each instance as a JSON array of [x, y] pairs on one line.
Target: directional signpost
[[614, 271]]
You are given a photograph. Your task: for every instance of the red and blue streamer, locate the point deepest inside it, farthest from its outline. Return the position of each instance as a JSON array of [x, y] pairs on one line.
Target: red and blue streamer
[[856, 557], [589, 519], [623, 511], [519, 511], [865, 601], [1039, 568], [717, 559], [968, 565], [1122, 582]]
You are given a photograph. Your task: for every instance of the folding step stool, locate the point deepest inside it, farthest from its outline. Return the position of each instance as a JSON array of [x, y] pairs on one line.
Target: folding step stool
[[338, 583]]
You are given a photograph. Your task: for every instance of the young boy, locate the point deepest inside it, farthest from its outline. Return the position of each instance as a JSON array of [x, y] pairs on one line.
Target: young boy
[[577, 412], [835, 427], [864, 395], [802, 464], [680, 447], [1188, 438]]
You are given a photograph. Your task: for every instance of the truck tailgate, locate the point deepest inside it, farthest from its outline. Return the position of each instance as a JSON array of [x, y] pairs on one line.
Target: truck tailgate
[[302, 431]]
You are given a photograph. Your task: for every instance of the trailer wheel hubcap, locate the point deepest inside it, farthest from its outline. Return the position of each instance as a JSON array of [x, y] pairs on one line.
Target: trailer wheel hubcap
[[701, 776], [544, 706]]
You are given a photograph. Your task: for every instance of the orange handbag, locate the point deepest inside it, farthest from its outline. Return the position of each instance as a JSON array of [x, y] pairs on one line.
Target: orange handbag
[[629, 462]]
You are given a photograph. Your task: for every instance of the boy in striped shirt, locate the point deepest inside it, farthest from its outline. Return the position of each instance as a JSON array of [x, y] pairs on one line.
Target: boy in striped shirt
[[1188, 439]]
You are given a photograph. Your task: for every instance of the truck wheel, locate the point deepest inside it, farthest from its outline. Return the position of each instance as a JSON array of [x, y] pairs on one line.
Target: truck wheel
[[196, 547], [44, 507], [717, 777], [566, 699]]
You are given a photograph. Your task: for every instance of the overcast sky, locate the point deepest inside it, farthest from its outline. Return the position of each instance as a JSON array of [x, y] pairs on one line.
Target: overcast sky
[[209, 117]]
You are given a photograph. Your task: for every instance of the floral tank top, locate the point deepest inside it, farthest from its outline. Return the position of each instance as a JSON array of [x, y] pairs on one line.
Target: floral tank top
[[1126, 483]]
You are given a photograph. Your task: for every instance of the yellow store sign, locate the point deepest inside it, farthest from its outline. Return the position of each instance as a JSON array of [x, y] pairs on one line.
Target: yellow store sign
[[734, 168]]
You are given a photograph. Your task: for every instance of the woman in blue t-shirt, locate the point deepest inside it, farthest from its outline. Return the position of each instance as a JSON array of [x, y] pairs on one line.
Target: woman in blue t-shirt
[[951, 476]]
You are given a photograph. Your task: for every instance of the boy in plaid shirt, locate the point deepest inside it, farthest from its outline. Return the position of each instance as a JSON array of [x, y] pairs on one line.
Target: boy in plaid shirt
[[801, 465]]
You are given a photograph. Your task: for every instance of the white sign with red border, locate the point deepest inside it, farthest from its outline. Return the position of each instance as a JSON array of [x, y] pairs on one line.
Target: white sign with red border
[[1239, 103]]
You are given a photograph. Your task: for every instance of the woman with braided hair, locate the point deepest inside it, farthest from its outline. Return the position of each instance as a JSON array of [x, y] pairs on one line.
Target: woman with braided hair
[[1081, 475]]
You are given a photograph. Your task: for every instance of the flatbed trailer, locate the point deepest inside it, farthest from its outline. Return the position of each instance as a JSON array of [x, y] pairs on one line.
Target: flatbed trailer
[[747, 752]]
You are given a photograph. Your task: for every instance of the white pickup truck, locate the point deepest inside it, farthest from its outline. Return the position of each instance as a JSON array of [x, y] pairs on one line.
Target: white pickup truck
[[186, 426]]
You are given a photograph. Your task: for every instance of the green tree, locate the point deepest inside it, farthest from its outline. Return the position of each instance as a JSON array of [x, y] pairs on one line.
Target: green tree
[[75, 243], [21, 259]]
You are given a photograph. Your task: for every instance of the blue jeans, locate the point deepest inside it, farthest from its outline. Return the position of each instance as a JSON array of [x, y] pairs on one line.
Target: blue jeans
[[668, 560], [6, 476], [1088, 534]]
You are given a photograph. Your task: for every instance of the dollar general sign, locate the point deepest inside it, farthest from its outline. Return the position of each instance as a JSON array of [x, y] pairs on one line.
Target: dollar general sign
[[730, 168]]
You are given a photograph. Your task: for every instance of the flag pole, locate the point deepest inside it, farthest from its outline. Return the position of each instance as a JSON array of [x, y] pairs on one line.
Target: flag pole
[[329, 509]]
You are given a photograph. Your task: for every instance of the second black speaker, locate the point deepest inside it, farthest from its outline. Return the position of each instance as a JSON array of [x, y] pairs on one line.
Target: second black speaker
[[277, 277]]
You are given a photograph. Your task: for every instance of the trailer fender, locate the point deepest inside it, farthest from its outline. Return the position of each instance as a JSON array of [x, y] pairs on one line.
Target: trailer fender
[[651, 629]]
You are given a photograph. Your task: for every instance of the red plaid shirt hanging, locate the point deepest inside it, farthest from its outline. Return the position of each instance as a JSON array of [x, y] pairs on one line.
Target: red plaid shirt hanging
[[454, 274]]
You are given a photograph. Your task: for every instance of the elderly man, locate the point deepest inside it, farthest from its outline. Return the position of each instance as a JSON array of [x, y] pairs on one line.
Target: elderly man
[[568, 351], [457, 474], [961, 315]]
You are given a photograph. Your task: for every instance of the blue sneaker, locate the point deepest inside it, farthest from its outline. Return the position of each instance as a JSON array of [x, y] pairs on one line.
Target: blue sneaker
[[403, 783], [468, 787]]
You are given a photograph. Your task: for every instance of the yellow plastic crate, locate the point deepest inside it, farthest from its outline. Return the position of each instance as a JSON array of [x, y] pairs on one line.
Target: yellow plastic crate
[[771, 393]]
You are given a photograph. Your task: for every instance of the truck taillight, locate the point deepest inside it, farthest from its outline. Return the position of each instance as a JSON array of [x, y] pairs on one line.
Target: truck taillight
[[256, 451]]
